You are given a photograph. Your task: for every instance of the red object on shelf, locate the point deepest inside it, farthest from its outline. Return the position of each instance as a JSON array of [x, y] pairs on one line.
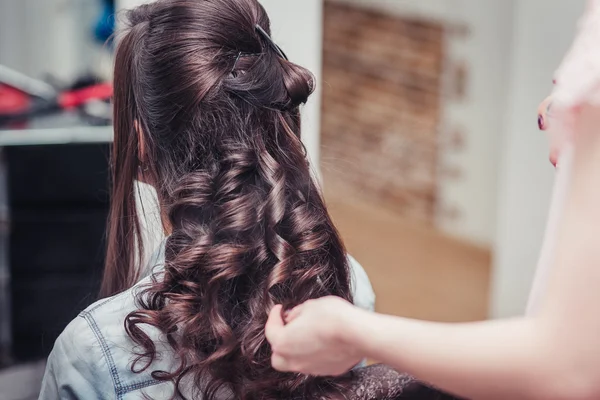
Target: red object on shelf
[[12, 100], [75, 98]]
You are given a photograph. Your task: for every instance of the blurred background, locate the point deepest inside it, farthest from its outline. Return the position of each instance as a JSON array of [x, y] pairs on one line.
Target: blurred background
[[423, 132]]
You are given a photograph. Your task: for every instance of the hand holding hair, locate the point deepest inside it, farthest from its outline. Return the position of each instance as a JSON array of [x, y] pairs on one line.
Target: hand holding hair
[[312, 338]]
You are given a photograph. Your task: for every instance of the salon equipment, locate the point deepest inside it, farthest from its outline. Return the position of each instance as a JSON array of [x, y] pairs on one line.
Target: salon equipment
[[22, 98]]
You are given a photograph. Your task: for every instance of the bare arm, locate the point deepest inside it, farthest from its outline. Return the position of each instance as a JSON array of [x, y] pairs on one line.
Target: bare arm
[[484, 360]]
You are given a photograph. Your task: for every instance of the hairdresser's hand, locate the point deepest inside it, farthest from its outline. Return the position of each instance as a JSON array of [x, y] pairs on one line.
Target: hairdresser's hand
[[544, 123], [315, 338]]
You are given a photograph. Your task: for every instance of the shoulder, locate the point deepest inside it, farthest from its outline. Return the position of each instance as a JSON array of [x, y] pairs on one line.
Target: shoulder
[[104, 314], [106, 319], [95, 347], [364, 296], [78, 358], [91, 343]]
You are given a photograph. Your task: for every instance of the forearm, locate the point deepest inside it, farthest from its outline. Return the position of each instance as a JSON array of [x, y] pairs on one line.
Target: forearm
[[477, 360]]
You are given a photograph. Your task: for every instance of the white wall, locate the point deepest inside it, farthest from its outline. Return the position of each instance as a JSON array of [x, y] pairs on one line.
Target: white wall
[[430, 9], [543, 33], [49, 37], [130, 3], [486, 52]]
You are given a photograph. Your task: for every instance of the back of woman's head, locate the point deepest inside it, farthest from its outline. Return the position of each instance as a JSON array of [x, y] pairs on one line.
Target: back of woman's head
[[207, 110]]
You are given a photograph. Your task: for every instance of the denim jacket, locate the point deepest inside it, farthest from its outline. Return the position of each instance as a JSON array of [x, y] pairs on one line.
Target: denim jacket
[[92, 358]]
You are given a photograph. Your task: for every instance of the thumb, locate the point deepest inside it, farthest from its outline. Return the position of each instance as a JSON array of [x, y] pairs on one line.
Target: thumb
[[275, 325], [292, 315]]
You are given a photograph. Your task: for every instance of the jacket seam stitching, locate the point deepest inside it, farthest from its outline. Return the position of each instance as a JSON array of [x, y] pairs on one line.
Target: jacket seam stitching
[[137, 386], [105, 351], [97, 306]]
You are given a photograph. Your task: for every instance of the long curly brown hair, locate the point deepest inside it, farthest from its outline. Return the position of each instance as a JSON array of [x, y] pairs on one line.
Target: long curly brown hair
[[207, 111]]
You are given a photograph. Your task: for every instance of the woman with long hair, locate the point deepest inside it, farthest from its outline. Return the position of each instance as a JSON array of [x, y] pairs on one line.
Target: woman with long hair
[[206, 110]]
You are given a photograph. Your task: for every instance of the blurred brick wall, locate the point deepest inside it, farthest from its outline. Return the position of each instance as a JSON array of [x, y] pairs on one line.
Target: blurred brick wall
[[382, 82]]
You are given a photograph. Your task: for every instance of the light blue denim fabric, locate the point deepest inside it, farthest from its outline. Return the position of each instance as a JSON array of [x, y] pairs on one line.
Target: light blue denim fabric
[[92, 357]]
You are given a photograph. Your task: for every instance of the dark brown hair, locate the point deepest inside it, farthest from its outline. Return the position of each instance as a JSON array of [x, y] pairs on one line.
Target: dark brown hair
[[218, 112]]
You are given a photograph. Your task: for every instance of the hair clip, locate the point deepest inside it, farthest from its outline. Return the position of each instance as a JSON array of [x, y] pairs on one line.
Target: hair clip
[[239, 57], [273, 45], [236, 61]]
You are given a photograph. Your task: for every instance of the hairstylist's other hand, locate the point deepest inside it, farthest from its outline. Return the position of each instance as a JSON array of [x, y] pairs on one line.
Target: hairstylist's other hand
[[313, 339]]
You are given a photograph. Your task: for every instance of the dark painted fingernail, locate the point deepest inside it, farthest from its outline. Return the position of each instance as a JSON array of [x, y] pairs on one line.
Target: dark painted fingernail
[[541, 122]]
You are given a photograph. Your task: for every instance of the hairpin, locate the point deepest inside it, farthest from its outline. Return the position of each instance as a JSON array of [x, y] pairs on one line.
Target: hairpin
[[239, 57], [273, 45], [236, 61]]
